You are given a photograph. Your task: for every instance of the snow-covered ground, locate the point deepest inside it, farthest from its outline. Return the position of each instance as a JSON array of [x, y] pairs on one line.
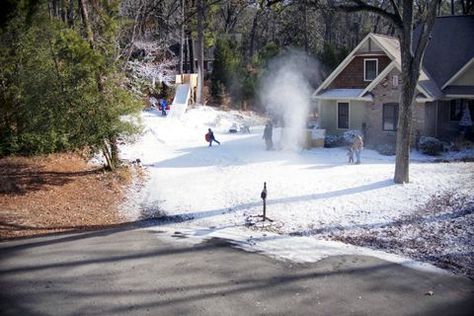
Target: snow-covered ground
[[309, 192]]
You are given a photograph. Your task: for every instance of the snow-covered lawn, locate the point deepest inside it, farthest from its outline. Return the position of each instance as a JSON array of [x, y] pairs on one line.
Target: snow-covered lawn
[[311, 191]]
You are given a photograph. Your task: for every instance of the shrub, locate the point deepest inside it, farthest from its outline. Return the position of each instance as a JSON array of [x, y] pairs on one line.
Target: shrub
[[331, 141], [346, 139], [430, 146], [386, 149]]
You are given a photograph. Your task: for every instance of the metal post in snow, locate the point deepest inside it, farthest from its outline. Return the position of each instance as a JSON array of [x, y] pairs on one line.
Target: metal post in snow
[[263, 195]]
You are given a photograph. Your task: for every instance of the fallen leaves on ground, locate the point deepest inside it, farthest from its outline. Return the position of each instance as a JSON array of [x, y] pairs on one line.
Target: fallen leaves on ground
[[56, 193]]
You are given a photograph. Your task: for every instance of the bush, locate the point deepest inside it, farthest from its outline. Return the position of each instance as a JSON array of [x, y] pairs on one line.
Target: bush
[[430, 146], [386, 149], [331, 141], [346, 139]]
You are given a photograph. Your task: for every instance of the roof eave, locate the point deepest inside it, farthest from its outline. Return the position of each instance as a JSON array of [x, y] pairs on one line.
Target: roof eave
[[421, 100], [462, 96], [344, 98], [458, 73]]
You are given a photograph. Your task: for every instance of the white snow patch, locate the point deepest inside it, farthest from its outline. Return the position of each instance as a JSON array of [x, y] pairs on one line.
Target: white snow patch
[[283, 247], [307, 190]]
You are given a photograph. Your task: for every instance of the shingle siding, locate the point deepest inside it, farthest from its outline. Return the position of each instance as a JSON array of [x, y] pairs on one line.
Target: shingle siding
[[352, 77]]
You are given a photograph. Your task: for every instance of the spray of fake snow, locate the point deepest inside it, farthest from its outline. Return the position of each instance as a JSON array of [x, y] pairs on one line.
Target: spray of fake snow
[[286, 94]]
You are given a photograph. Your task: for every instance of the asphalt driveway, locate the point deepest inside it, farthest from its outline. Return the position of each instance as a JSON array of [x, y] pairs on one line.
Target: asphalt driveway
[[134, 272]]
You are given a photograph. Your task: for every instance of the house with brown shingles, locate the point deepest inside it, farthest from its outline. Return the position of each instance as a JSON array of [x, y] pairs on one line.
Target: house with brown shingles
[[363, 92]]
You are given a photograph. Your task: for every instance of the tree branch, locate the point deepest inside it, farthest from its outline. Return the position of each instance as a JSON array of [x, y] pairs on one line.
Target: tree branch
[[359, 5], [396, 9], [425, 35]]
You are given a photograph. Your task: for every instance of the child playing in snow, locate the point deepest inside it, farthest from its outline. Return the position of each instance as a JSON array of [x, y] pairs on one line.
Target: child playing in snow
[[350, 154], [163, 105], [210, 137], [357, 146]]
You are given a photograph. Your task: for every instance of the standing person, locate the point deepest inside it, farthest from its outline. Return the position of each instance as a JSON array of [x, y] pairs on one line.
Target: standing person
[[210, 137], [267, 135], [163, 107], [350, 154], [357, 146]]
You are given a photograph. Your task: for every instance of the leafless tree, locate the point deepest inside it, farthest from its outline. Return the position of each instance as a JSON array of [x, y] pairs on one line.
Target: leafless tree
[[401, 14]]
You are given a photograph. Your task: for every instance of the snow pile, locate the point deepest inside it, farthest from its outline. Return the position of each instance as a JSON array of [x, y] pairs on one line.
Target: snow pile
[[283, 247]]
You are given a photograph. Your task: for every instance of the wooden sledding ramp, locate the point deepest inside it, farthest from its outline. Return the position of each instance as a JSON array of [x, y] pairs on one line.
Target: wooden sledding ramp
[[180, 101]]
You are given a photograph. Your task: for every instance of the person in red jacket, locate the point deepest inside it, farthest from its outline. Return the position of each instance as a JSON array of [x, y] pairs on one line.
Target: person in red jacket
[[210, 137]]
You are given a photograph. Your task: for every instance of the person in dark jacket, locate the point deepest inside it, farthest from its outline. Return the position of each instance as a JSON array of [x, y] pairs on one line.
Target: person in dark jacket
[[211, 137], [267, 135]]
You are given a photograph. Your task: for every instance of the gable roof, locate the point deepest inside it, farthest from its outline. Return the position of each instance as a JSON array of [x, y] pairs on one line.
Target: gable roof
[[341, 66], [391, 47], [449, 52], [459, 73], [451, 47]]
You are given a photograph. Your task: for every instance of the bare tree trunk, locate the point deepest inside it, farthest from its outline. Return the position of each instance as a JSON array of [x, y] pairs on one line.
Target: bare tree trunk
[[200, 51], [70, 16], [328, 18], [186, 54], [305, 27], [411, 65], [376, 24], [112, 155], [253, 34], [406, 98], [55, 8], [182, 39], [64, 11], [86, 23], [134, 32], [191, 54], [107, 156]]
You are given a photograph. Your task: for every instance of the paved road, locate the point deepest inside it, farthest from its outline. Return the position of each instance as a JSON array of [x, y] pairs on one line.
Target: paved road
[[132, 272]]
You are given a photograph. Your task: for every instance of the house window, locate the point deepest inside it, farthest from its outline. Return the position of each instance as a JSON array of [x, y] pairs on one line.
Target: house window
[[370, 69], [390, 116], [394, 81], [455, 109], [343, 115]]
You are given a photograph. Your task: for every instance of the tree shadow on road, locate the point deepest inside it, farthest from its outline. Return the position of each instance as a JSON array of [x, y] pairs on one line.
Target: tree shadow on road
[[188, 285]]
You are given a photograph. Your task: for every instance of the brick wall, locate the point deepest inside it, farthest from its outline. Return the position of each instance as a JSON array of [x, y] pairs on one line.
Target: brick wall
[[386, 93], [352, 77]]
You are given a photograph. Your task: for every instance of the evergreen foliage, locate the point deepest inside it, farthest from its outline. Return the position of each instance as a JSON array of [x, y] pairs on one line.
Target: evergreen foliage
[[226, 67], [231, 77], [57, 93], [331, 57]]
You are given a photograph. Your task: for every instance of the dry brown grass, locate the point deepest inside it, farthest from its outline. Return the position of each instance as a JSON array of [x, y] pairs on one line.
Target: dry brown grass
[[57, 193]]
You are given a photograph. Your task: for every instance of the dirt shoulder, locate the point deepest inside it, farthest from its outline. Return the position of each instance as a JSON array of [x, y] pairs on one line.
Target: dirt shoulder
[[58, 193]]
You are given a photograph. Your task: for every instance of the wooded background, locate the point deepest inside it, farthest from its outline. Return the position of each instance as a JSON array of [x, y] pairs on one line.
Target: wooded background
[[71, 68]]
